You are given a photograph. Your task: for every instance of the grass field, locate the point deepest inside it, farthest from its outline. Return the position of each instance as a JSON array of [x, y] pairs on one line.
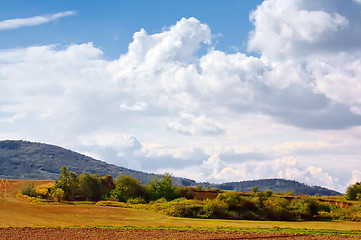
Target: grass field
[[17, 213]]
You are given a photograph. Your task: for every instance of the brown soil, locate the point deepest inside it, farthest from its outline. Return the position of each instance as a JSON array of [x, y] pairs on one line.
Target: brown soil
[[106, 233]]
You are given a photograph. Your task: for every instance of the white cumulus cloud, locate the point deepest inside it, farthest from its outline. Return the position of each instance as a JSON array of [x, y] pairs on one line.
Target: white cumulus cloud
[[285, 27], [189, 124]]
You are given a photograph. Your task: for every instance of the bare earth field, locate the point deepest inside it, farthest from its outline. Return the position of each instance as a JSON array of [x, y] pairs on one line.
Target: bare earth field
[[101, 233], [24, 220]]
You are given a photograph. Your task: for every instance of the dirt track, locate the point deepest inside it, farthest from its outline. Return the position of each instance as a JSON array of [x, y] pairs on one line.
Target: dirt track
[[106, 233]]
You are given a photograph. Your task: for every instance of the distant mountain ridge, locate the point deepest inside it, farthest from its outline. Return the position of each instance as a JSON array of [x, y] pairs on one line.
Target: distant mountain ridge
[[275, 185], [29, 160]]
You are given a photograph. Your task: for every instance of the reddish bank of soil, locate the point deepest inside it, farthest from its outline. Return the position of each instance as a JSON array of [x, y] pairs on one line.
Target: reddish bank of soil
[[105, 233]]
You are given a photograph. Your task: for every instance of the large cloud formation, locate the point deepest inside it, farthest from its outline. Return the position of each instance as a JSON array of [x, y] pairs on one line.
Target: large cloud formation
[[292, 111]]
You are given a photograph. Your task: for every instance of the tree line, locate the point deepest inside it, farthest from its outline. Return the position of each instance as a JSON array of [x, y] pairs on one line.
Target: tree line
[[91, 187], [162, 196]]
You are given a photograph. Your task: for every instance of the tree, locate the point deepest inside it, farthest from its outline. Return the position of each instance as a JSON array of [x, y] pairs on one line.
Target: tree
[[90, 186], [276, 208], [353, 192], [107, 184], [162, 188], [230, 198], [58, 194], [305, 207], [126, 187], [84, 187], [69, 183], [166, 188]]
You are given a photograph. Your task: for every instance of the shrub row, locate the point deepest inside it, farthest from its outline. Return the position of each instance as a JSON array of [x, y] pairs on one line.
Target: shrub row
[[161, 196]]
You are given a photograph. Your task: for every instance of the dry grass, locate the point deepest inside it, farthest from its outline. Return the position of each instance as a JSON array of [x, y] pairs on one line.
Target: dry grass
[[15, 212]]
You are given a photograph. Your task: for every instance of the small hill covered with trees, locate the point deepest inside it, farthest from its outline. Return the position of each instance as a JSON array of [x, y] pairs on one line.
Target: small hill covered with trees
[[30, 160]]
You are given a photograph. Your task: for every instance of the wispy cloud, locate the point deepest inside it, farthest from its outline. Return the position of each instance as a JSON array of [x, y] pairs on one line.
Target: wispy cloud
[[32, 21]]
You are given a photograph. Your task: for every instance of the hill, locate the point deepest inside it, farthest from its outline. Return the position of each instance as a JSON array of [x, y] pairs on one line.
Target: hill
[[29, 160], [275, 185]]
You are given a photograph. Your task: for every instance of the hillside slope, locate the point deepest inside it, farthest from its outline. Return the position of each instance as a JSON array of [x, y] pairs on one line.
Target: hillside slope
[[29, 160]]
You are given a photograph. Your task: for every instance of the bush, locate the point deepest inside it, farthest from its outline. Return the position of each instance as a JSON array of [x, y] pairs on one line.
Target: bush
[[184, 208], [161, 200], [324, 207], [58, 194], [232, 199], [43, 191], [268, 193], [28, 190], [185, 192], [276, 208], [305, 207], [136, 200], [213, 209], [115, 195]]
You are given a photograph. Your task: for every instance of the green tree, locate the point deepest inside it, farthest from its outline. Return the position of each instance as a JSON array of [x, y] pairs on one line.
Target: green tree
[[232, 199], [69, 183], [353, 192], [305, 207], [90, 186], [166, 188], [276, 208], [126, 187], [107, 184], [162, 188]]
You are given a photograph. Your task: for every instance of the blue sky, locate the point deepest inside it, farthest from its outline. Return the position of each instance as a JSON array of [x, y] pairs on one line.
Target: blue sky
[[110, 25], [210, 90]]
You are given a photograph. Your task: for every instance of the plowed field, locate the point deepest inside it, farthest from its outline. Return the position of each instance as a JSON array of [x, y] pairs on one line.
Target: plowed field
[[103, 233]]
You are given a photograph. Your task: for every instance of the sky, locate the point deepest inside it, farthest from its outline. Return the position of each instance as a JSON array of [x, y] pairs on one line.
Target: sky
[[212, 90]]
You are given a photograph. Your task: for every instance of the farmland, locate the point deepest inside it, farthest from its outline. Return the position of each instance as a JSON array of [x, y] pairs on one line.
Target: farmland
[[22, 214]]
